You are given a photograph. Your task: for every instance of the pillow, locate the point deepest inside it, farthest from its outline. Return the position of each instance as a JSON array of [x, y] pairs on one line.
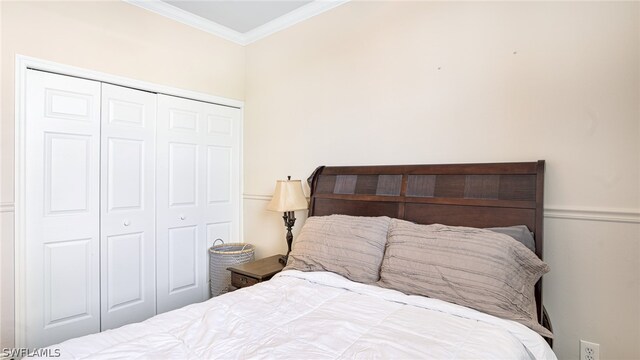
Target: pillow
[[518, 232], [351, 246], [476, 268]]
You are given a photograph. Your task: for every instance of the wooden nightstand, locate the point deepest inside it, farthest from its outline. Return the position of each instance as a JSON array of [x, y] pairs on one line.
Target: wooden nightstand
[[248, 274]]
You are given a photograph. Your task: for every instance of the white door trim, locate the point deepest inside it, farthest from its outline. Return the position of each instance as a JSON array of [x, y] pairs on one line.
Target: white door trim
[[22, 63]]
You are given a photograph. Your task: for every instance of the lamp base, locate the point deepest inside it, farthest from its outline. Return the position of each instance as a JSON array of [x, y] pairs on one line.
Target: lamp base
[[289, 218]]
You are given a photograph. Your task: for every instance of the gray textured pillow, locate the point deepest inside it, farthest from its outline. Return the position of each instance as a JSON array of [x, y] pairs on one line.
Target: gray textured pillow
[[351, 246], [476, 268], [518, 232]]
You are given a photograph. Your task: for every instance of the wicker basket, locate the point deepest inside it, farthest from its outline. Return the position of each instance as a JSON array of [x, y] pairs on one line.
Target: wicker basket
[[223, 256]]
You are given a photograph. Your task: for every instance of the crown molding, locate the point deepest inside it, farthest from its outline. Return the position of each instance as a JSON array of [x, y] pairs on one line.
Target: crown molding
[[300, 14], [187, 18], [291, 18]]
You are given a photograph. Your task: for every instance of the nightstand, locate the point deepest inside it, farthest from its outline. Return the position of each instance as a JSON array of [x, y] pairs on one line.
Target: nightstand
[[248, 274]]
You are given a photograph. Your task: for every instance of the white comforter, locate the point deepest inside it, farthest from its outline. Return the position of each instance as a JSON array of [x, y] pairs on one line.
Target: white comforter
[[317, 315]]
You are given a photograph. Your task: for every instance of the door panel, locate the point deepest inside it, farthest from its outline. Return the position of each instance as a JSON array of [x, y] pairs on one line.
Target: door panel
[[126, 113], [183, 174], [222, 174], [62, 208], [219, 174], [126, 267], [220, 124], [198, 186], [222, 210], [67, 282], [67, 164], [183, 258], [180, 234], [126, 174], [183, 120], [68, 105], [128, 206]]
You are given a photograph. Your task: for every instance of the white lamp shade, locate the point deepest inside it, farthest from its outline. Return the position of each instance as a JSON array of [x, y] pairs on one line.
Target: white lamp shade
[[288, 196]]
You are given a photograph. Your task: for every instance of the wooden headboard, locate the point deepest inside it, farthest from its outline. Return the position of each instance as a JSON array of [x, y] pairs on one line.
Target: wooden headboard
[[475, 195]]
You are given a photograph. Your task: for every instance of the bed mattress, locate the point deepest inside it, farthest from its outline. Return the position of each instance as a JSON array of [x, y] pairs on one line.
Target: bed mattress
[[315, 315]]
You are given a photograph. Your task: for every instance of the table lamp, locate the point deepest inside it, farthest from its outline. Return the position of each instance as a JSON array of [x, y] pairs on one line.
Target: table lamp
[[287, 198]]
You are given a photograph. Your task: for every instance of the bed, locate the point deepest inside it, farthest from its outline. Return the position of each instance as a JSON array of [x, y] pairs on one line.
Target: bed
[[325, 315]]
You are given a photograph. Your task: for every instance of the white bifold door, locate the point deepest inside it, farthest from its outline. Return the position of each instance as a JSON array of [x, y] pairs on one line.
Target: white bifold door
[[198, 194], [62, 230], [127, 216], [125, 190]]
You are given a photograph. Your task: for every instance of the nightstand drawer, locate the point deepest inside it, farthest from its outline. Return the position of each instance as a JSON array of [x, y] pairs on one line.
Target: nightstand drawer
[[251, 273], [239, 280]]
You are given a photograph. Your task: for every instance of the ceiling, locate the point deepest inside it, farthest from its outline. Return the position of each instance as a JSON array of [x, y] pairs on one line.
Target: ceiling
[[241, 16], [241, 21]]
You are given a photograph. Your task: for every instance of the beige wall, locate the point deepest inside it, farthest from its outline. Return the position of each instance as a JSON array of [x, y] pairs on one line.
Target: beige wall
[[111, 37], [402, 82], [439, 82]]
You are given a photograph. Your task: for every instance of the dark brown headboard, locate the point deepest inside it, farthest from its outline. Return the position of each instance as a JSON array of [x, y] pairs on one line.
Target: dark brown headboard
[[475, 195]]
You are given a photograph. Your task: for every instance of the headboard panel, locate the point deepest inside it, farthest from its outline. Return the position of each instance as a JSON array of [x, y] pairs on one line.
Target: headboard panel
[[475, 195]]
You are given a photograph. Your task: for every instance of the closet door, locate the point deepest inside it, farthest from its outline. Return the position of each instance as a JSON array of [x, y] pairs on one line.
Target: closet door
[[222, 153], [127, 235], [197, 194], [62, 208]]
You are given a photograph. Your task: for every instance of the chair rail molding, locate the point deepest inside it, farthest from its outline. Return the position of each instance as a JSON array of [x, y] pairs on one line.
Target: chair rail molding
[[6, 207], [594, 214], [257, 197], [553, 212]]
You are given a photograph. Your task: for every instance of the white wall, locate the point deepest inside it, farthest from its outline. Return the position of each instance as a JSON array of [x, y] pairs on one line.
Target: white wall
[[111, 37], [446, 82]]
